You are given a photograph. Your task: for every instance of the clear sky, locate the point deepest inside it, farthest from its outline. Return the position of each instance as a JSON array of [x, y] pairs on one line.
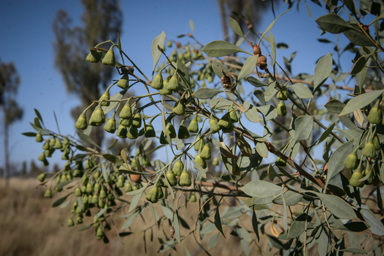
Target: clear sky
[[26, 29]]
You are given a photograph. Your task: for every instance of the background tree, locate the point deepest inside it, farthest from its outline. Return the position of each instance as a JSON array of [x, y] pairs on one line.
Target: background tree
[[9, 84], [102, 19]]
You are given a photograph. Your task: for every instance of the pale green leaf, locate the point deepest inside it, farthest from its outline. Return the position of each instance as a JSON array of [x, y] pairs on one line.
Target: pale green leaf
[[248, 67], [221, 48], [301, 91], [360, 101]]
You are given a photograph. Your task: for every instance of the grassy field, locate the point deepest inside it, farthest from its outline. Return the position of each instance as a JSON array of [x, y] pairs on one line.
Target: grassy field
[[29, 226]]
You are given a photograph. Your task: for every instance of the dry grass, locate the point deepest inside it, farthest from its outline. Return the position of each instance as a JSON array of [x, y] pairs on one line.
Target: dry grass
[[29, 226]]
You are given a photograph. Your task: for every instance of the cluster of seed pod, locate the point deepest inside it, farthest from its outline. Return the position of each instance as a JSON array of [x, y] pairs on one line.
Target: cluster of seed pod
[[51, 145], [369, 152]]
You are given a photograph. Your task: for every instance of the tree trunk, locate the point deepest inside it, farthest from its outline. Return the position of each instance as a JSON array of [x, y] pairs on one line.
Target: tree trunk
[[6, 153]]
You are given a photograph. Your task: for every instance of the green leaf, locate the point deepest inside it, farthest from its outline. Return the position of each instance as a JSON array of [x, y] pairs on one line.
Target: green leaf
[[322, 70], [255, 82], [255, 225], [113, 159], [176, 226], [336, 162], [65, 204], [335, 106], [301, 91], [29, 134], [86, 227], [119, 46], [183, 72], [357, 37], [333, 23], [99, 213], [260, 96], [167, 212], [236, 28], [221, 48], [273, 47], [252, 114], [192, 26], [291, 198], [213, 241], [360, 101], [60, 201], [298, 226], [359, 65], [218, 222], [38, 115], [261, 189], [354, 250], [337, 206], [248, 67], [37, 123], [128, 222], [350, 5], [135, 201], [271, 25], [326, 133], [208, 228], [262, 149], [303, 128], [156, 54], [377, 226], [206, 93], [86, 139], [244, 246], [218, 67]]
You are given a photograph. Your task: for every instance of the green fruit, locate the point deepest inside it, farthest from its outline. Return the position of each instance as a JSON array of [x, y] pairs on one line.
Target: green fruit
[[215, 161], [89, 188], [281, 109], [122, 131], [171, 178], [79, 219], [109, 57], [173, 84], [206, 152], [183, 132], [160, 193], [185, 179], [145, 161], [103, 194], [110, 126], [41, 177], [170, 130], [126, 122], [58, 144], [157, 82], [193, 125], [149, 131], [70, 223], [78, 192], [280, 162], [126, 111], [104, 99], [375, 115], [128, 187], [234, 117], [351, 162], [101, 203], [97, 117], [200, 161], [214, 125], [355, 178], [93, 56], [192, 199], [152, 195], [132, 133], [123, 82], [137, 120], [46, 146], [369, 149], [376, 142], [179, 108], [120, 183], [282, 94], [163, 139], [95, 199], [48, 193], [225, 122], [38, 137], [178, 167], [99, 233], [169, 43]]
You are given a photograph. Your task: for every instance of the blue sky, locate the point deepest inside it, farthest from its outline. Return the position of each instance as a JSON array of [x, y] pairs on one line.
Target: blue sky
[[26, 29]]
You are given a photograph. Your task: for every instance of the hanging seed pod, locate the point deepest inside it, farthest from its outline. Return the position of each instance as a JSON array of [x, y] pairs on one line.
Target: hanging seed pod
[[123, 82], [120, 183], [126, 122], [215, 161], [199, 144], [145, 161], [183, 132], [110, 126], [368, 173], [206, 152], [97, 117], [352, 162], [158, 82], [93, 56], [355, 178], [58, 144], [41, 177], [193, 125], [178, 167], [281, 109], [42, 157], [179, 108], [137, 120], [149, 131], [171, 178], [52, 142], [63, 178], [192, 199], [214, 125], [234, 117], [225, 122], [48, 193], [79, 219], [78, 192], [375, 115], [376, 142], [185, 179], [95, 199], [282, 94], [200, 161], [160, 193], [163, 139], [132, 133], [103, 194], [173, 84], [169, 44], [70, 222], [128, 187], [89, 188], [369, 149], [281, 163], [152, 195], [109, 57], [170, 130], [126, 111], [99, 233], [46, 146], [122, 131], [38, 137], [104, 99]]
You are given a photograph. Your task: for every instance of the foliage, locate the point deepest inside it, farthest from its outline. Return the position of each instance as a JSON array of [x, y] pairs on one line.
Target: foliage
[[330, 203]]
